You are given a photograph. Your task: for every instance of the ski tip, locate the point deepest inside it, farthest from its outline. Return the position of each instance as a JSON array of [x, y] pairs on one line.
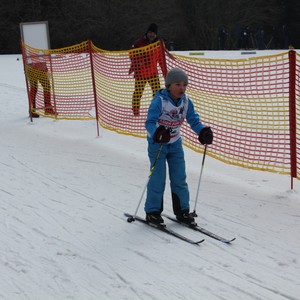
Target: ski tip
[[199, 242], [228, 241]]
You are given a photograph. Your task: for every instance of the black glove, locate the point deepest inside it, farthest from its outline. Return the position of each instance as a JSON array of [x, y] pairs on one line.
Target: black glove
[[206, 136], [162, 135]]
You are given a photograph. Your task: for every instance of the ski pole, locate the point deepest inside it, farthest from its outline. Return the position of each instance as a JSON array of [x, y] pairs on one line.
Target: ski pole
[[199, 182], [131, 219]]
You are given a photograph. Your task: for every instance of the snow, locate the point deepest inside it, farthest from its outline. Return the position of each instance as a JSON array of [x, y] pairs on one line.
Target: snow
[[230, 54], [63, 192]]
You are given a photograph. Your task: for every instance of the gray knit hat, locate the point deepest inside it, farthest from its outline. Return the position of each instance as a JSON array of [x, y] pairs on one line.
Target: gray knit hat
[[176, 75]]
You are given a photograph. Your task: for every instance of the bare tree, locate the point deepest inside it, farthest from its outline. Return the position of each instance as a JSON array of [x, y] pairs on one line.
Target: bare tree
[[114, 24], [205, 18]]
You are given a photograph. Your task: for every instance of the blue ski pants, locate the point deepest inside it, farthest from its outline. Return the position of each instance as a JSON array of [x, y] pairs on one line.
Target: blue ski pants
[[172, 154]]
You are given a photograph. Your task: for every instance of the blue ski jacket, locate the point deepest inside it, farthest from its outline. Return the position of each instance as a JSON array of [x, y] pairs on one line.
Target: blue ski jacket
[[163, 110]]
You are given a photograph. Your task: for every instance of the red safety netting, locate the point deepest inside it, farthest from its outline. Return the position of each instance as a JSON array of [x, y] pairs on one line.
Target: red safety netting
[[251, 104], [246, 102], [125, 84], [60, 82]]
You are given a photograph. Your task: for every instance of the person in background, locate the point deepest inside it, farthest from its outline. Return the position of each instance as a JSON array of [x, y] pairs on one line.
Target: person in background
[[37, 72], [144, 66], [284, 37], [222, 38], [260, 38], [167, 111], [245, 38]]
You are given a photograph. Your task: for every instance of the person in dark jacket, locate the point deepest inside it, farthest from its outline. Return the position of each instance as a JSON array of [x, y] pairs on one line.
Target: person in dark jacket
[[222, 38], [260, 38], [144, 66], [167, 111]]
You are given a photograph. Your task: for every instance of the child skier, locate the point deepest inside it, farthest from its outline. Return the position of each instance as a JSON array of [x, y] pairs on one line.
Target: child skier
[[166, 114]]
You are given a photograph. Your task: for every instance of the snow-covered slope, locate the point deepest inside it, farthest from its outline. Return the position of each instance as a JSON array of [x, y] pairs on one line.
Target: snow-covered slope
[[63, 235]]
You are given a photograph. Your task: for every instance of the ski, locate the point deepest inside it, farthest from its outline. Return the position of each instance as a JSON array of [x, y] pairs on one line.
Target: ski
[[202, 230], [163, 228]]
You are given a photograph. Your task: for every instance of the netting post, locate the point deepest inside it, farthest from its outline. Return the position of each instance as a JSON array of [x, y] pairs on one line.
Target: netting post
[[52, 89], [94, 85], [52, 85], [26, 80], [292, 114]]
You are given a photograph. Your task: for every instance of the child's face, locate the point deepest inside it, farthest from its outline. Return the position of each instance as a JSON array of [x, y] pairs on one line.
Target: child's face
[[177, 89]]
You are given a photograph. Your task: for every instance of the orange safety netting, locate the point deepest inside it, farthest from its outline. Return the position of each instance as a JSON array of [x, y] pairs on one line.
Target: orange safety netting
[[125, 84], [65, 77], [297, 113], [247, 102]]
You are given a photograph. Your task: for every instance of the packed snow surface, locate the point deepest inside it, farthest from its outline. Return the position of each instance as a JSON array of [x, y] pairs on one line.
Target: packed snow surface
[[64, 191]]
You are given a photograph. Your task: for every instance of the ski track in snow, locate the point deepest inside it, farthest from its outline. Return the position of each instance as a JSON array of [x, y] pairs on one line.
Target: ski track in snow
[[63, 234]]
